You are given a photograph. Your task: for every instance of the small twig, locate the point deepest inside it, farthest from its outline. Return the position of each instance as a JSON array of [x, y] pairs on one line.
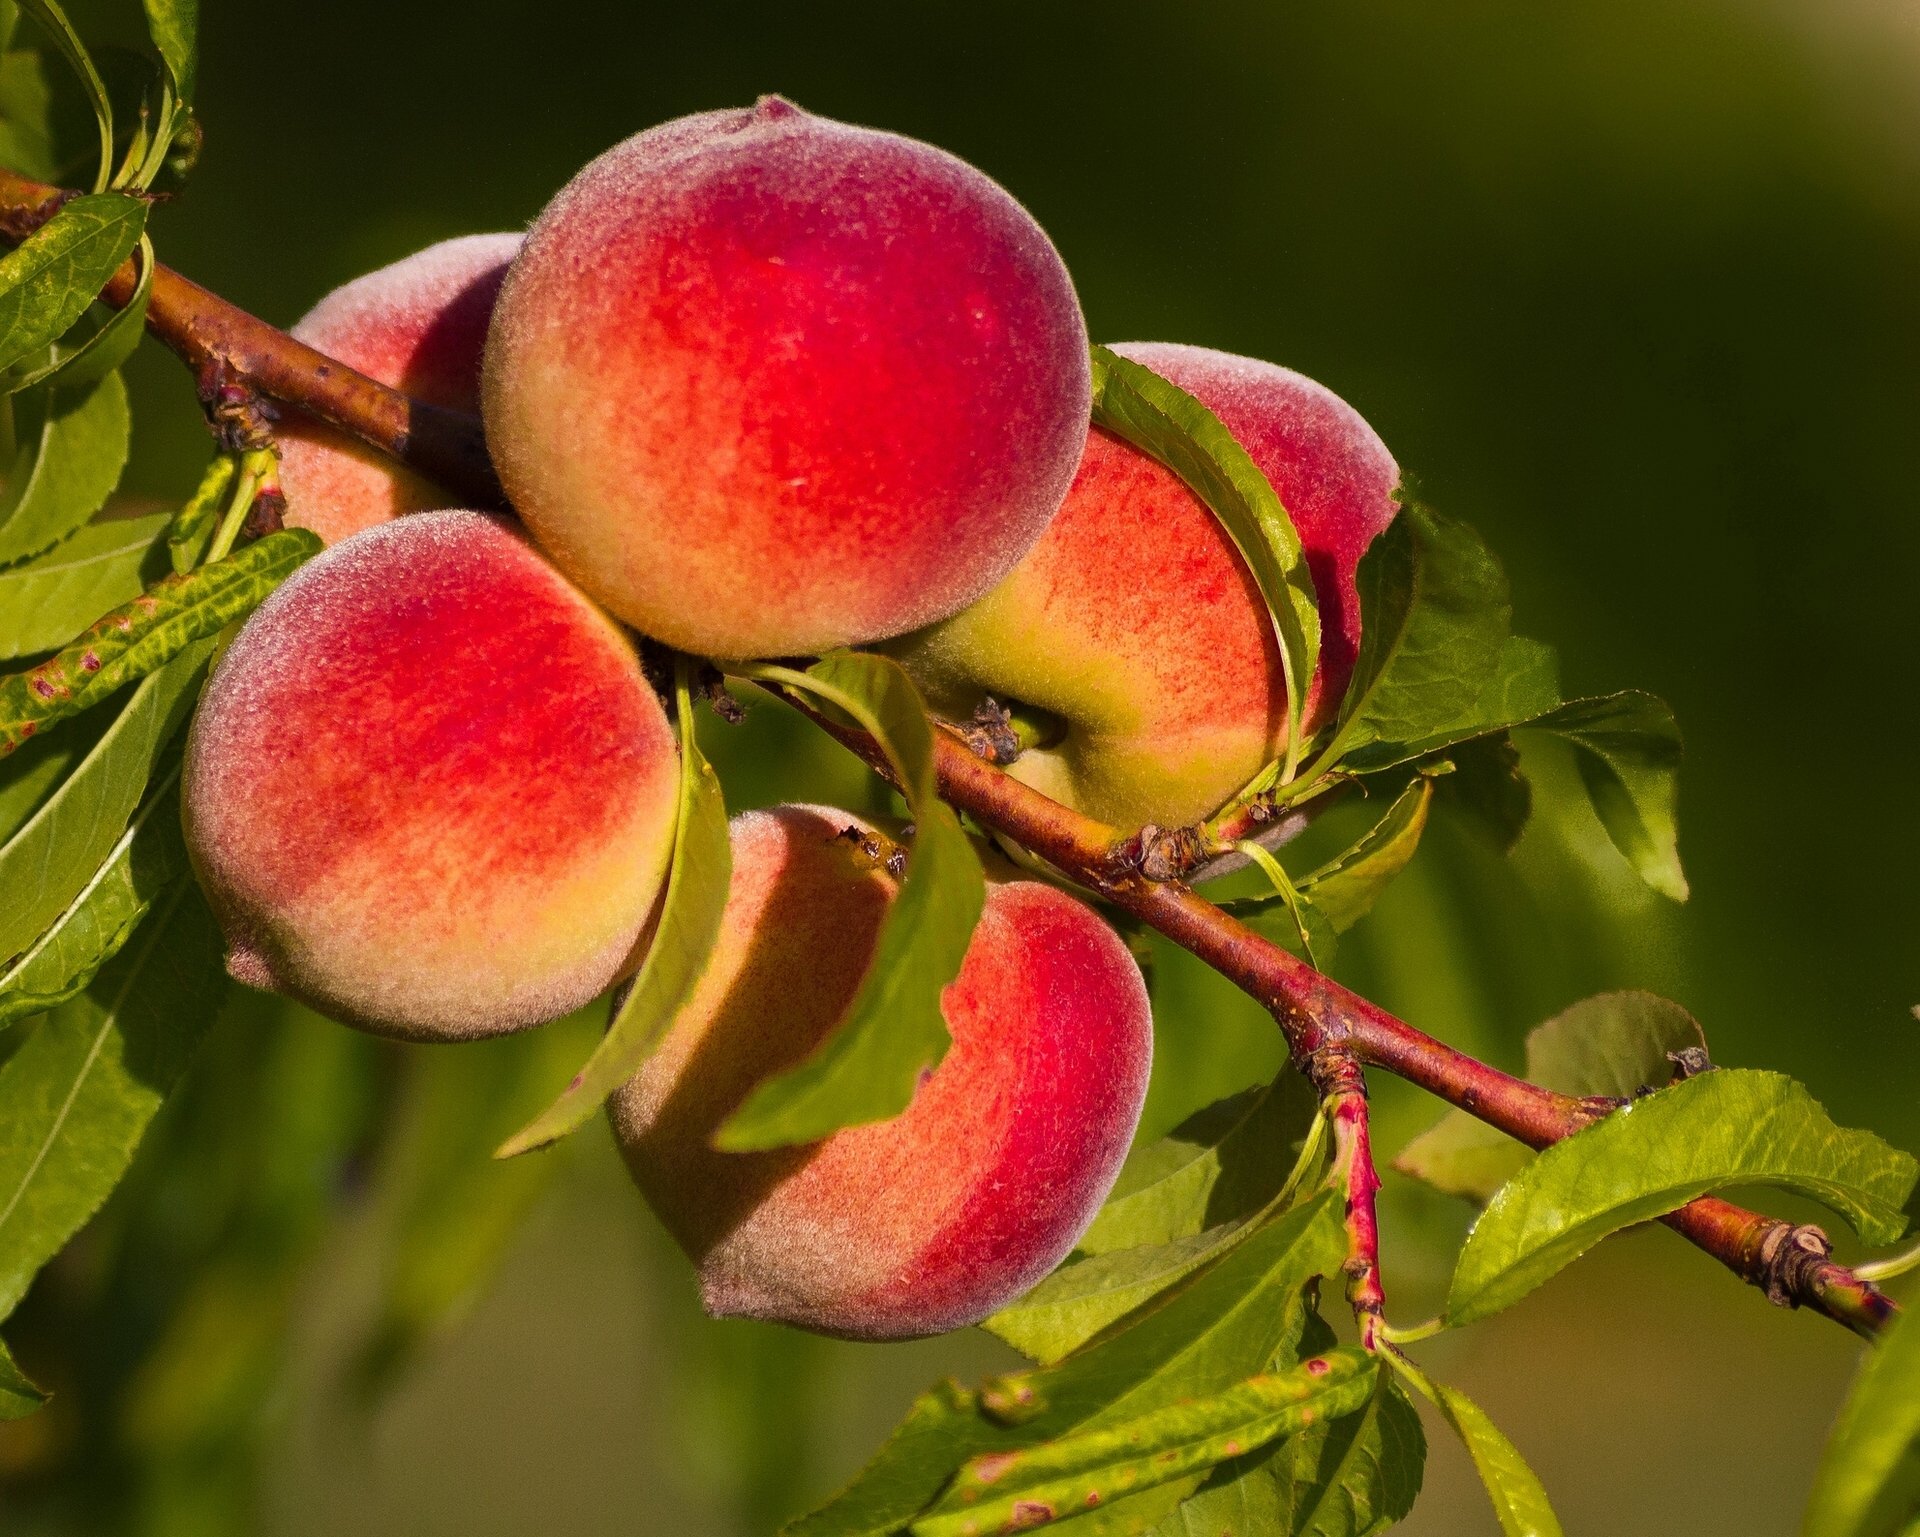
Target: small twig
[[1342, 1085]]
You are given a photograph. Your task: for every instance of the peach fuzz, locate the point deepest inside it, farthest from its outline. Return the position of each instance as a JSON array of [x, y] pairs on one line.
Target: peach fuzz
[[932, 1220], [1135, 621], [429, 790], [765, 384], [419, 325]]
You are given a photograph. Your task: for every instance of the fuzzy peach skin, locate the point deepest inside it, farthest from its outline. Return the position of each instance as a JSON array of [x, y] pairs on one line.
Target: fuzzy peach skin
[[932, 1220], [429, 790], [764, 383], [1136, 622], [419, 325]]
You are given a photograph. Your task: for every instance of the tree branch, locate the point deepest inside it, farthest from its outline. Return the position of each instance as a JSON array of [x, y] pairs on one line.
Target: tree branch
[[225, 346]]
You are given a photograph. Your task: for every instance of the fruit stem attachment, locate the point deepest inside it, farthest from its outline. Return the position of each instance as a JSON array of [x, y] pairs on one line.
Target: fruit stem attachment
[[1313, 1011]]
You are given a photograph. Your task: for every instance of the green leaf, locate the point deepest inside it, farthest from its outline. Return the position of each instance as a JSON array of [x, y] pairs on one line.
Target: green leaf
[[26, 115], [54, 20], [1488, 782], [57, 849], [1220, 1164], [1220, 1327], [868, 1068], [173, 25], [1612, 1044], [1727, 1127], [1058, 1480], [447, 1209], [18, 1396], [684, 936], [95, 347], [70, 452], [1518, 1498], [1160, 418], [1869, 1479], [1523, 686], [147, 633], [47, 602], [47, 282], [88, 1078], [193, 526], [1627, 747], [151, 853], [1287, 917], [1346, 887], [1436, 618]]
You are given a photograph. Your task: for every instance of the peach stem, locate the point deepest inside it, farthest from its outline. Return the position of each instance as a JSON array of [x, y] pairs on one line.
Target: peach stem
[[233, 353]]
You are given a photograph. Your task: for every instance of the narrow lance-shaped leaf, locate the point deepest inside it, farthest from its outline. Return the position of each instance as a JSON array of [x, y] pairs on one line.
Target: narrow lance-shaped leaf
[[53, 18], [1726, 1127], [99, 348], [147, 633], [47, 282], [1227, 1323], [867, 1069], [151, 853], [173, 25], [68, 459], [1436, 614], [1157, 416], [18, 1396], [84, 1084], [1612, 1044], [1059, 1480], [1519, 1500], [57, 849], [193, 526], [46, 603], [683, 940], [1345, 888], [1312, 936], [1869, 1479]]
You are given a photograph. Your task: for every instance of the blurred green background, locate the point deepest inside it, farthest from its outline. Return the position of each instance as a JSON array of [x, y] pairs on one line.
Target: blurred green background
[[1630, 285]]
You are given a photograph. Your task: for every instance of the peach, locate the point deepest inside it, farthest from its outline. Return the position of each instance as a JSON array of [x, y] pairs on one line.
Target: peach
[[419, 325], [1135, 622], [765, 384], [932, 1220], [429, 790]]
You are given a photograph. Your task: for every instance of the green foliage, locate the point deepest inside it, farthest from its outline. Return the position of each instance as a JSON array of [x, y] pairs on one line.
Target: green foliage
[[101, 340], [684, 935], [144, 635], [174, 25], [50, 600], [1160, 418], [47, 282], [82, 1087], [150, 855], [18, 1396], [1614, 1044], [1726, 1127], [1869, 1479], [866, 1070], [69, 448], [1518, 1498]]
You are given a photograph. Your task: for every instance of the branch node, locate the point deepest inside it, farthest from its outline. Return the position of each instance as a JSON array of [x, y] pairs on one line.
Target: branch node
[[1162, 853], [989, 735], [239, 417], [1791, 1258], [1690, 1062]]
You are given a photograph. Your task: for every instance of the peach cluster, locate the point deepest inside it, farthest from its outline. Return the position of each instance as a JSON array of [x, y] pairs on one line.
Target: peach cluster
[[757, 384]]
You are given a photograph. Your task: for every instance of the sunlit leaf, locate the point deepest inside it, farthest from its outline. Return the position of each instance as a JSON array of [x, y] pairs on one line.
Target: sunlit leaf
[[1345, 888], [1289, 917], [144, 635], [57, 849], [1519, 1501], [1727, 1127], [1156, 415], [1869, 1479], [1052, 1483], [94, 348], [173, 25], [82, 1087], [868, 1068], [150, 855], [47, 602], [193, 526], [70, 450], [1612, 1044], [684, 935], [49, 279]]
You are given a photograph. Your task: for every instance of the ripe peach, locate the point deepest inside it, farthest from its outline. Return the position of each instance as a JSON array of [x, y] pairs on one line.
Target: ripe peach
[[764, 383], [932, 1220], [429, 790], [1135, 621], [419, 325]]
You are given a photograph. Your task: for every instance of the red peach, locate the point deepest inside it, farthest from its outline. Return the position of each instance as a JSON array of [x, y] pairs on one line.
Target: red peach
[[419, 325], [764, 383], [932, 1220], [429, 790], [1135, 621]]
